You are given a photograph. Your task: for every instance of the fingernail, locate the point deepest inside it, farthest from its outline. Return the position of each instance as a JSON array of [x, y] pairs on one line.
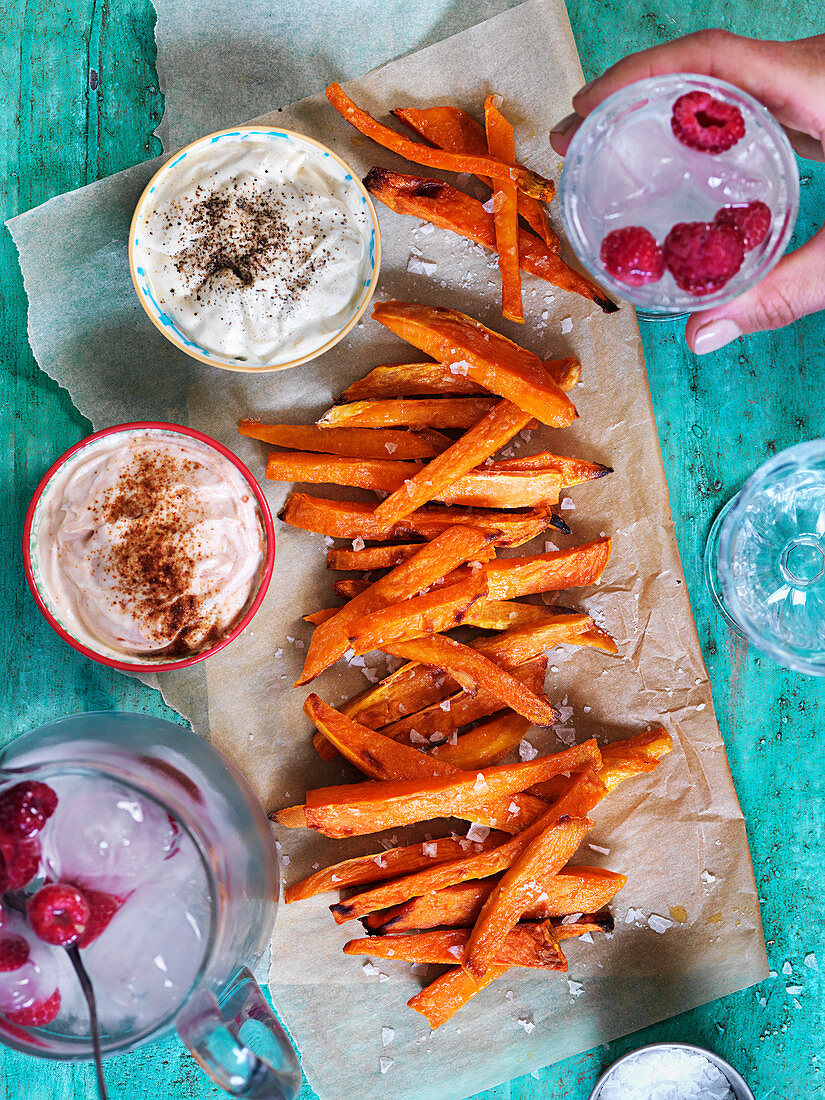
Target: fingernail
[[566, 124], [584, 88], [715, 334]]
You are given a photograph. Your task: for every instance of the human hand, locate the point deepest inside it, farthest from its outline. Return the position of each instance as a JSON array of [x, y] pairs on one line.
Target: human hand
[[789, 79]]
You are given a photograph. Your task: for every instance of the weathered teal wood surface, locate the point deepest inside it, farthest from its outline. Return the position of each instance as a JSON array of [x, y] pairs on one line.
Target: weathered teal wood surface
[[81, 101]]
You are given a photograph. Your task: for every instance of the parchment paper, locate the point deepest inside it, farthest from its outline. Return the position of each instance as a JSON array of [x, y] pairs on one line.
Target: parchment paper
[[678, 833]]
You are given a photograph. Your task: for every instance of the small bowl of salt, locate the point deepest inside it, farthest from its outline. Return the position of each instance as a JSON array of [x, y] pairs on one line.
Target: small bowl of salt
[[671, 1071]]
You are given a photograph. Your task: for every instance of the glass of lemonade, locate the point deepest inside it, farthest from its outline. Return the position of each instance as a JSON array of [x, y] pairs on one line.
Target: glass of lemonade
[[173, 856], [675, 151], [765, 558]]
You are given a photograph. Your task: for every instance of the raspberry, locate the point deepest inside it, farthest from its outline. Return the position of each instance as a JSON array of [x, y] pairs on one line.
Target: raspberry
[[58, 914], [752, 219], [702, 256], [19, 861], [633, 256], [37, 1014], [14, 952], [25, 808], [102, 907], [707, 124]]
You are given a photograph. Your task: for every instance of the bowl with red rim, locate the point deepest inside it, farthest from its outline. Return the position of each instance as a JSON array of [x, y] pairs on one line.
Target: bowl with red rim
[[197, 509], [679, 192]]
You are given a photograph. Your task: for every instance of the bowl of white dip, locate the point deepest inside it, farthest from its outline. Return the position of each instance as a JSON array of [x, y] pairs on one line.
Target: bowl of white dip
[[148, 546], [254, 249]]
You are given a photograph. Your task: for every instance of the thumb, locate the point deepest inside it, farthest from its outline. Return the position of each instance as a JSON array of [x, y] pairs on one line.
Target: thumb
[[795, 288]]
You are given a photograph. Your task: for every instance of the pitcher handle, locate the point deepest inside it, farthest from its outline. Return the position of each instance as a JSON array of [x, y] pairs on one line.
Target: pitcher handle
[[238, 1041]]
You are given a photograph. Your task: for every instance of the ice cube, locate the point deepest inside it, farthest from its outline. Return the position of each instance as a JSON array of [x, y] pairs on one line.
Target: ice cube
[[145, 962], [105, 836], [36, 979]]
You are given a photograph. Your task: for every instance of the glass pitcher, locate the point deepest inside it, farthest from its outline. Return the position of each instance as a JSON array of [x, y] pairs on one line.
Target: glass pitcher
[[173, 851]]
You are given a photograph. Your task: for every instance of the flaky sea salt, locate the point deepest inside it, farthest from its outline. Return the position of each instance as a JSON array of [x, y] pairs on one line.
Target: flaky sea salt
[[385, 1064], [598, 848], [810, 961], [430, 849], [358, 543], [707, 878], [527, 751], [576, 988], [478, 832], [489, 205], [387, 1036], [461, 366], [659, 924], [369, 969], [667, 1075], [526, 1023], [566, 324]]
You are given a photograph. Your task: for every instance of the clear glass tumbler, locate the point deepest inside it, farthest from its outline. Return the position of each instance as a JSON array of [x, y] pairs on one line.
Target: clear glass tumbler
[[625, 167], [151, 815], [765, 558]]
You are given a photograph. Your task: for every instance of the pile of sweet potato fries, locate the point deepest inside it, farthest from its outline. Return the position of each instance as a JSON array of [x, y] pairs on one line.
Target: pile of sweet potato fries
[[430, 737], [457, 143]]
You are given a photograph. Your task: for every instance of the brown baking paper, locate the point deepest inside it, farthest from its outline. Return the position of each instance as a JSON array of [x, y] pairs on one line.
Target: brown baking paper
[[677, 833]]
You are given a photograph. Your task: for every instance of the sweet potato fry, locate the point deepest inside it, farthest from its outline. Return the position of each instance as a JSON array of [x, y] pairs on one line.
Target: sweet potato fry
[[453, 129], [521, 644], [431, 613], [572, 890], [290, 817], [509, 578], [358, 808], [486, 744], [472, 669], [527, 945], [375, 557], [405, 691], [437, 202], [508, 614], [623, 760], [488, 487], [329, 640], [438, 720], [529, 182], [411, 379], [501, 142], [351, 587], [572, 471], [440, 1000], [410, 412], [381, 758], [356, 442], [492, 431], [492, 360], [352, 519], [482, 865], [363, 870], [523, 884]]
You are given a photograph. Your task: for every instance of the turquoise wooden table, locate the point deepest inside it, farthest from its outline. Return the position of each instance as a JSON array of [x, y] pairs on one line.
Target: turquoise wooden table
[[82, 101]]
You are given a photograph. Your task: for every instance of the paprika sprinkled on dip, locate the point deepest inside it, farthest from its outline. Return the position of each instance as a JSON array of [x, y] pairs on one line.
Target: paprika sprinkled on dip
[[254, 249], [148, 545]]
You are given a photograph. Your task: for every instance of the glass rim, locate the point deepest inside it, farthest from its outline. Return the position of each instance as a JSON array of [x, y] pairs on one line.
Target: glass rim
[[686, 303], [796, 456], [80, 1046]]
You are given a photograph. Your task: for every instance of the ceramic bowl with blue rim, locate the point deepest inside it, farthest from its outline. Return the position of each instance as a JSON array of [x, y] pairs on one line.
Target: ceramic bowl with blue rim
[[254, 249]]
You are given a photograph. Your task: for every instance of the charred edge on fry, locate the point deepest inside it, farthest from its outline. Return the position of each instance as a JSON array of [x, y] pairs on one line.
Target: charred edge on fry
[[559, 524]]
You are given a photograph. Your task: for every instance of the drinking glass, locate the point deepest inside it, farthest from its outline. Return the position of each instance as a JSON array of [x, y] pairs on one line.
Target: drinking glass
[[765, 558], [625, 167], [194, 917]]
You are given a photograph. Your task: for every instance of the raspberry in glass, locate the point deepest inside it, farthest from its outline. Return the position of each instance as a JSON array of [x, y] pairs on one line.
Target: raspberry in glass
[[102, 907], [58, 914], [37, 1014], [25, 808], [19, 861], [707, 124], [702, 256], [752, 219], [14, 952], [633, 256]]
